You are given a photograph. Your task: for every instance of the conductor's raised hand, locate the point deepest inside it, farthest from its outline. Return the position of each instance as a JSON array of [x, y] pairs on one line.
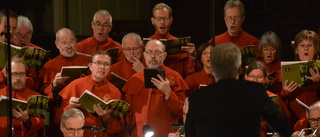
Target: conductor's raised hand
[[163, 84], [74, 102]]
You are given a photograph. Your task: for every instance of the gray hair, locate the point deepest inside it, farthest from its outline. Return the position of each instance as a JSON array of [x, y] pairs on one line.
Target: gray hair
[[103, 13], [225, 61], [72, 112], [24, 21], [270, 38], [132, 34], [63, 29], [232, 4]]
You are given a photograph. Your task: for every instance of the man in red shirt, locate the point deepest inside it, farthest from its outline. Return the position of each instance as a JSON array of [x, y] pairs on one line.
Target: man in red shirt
[[132, 47], [98, 84], [157, 107], [101, 26], [50, 77], [234, 16], [162, 20], [23, 34], [24, 125]]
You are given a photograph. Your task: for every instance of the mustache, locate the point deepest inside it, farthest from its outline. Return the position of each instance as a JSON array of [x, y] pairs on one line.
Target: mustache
[[153, 60]]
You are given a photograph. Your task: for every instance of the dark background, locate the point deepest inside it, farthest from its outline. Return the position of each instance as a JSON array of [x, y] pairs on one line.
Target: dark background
[[201, 19]]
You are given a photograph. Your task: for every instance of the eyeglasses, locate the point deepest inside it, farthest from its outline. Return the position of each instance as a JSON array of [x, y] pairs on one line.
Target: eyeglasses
[[20, 36], [106, 64], [104, 25], [133, 49], [236, 18], [255, 77], [313, 120], [166, 19], [156, 54], [21, 74], [64, 43], [71, 130]]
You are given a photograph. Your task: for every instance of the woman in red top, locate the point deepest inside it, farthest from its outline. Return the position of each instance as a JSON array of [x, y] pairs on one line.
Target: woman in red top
[[270, 48], [306, 47], [204, 76]]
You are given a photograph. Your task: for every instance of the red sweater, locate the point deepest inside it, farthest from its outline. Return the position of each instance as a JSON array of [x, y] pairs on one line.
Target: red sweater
[[178, 62], [241, 40], [194, 80], [19, 129], [149, 106], [91, 45], [104, 90]]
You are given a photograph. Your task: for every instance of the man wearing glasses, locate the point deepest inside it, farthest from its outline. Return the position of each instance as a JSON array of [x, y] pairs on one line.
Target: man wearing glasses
[[132, 47], [162, 20], [50, 77], [72, 121], [101, 26], [312, 121], [98, 84], [24, 125], [23, 34], [158, 107], [234, 16]]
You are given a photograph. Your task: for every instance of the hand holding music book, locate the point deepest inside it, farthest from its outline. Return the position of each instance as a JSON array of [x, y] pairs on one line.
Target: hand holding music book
[[152, 73]]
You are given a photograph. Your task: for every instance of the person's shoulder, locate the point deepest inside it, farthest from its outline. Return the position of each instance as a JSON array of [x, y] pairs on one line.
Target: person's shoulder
[[83, 42], [246, 34], [52, 62], [193, 76], [221, 35], [31, 92], [171, 72], [118, 64], [80, 81]]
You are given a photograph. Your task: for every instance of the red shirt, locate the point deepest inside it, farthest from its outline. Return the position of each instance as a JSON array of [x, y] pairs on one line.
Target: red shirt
[[19, 129], [91, 45], [124, 68], [178, 62], [104, 90], [149, 106], [194, 80], [241, 40], [52, 67]]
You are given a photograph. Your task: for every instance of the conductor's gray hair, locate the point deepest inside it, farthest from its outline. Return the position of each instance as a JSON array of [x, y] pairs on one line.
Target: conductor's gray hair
[[225, 60]]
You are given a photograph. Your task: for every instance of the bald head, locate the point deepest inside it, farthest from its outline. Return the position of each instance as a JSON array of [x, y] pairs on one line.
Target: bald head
[[154, 53], [157, 43], [66, 42]]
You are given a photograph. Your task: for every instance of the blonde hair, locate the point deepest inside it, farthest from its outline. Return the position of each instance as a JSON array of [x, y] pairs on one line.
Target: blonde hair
[[162, 6]]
